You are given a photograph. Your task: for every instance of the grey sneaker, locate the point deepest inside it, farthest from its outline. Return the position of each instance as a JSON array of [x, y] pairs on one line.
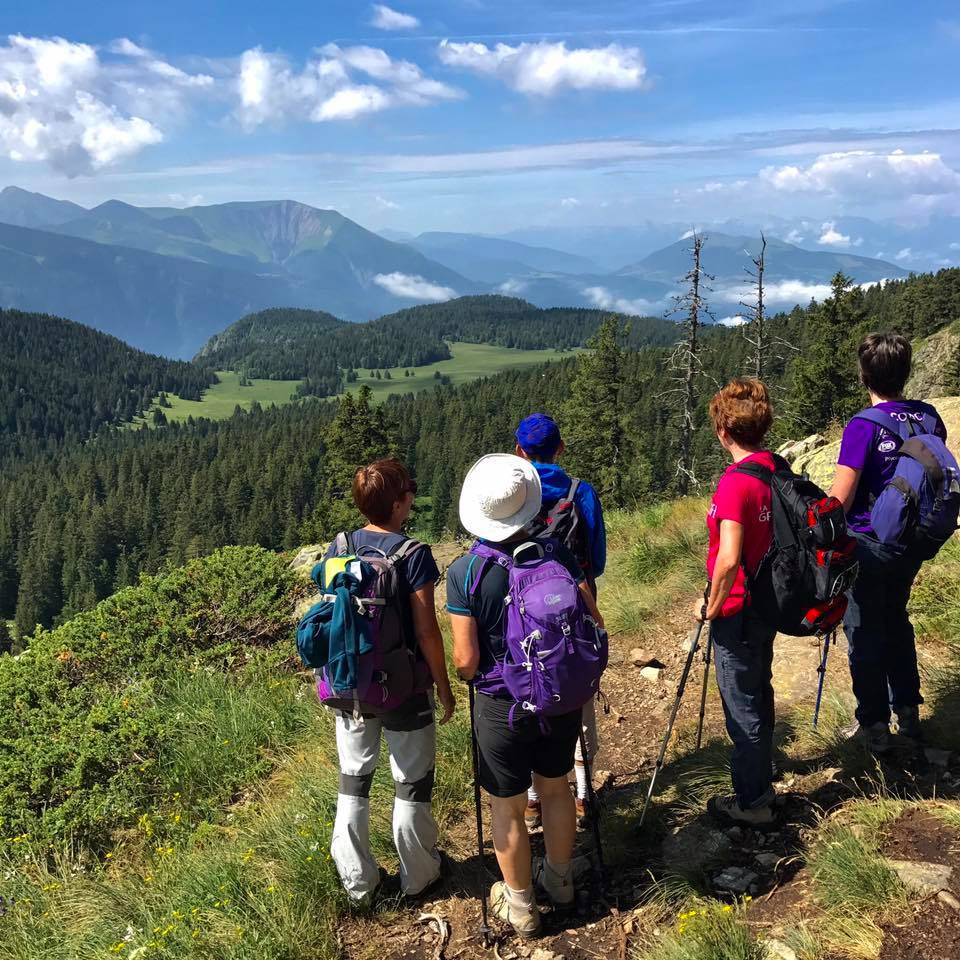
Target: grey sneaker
[[558, 889], [908, 723], [524, 920], [726, 811], [875, 736]]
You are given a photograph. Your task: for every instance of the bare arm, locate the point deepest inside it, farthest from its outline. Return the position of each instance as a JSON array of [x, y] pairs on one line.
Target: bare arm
[[726, 566], [466, 648], [845, 482], [430, 641]]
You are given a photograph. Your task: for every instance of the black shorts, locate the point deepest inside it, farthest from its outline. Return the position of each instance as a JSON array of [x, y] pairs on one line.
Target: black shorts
[[508, 756]]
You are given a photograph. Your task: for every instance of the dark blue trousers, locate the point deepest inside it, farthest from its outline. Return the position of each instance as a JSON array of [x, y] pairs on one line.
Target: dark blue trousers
[[743, 649], [880, 640]]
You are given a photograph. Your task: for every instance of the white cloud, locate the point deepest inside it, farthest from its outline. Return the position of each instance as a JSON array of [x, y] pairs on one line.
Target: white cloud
[[601, 297], [385, 204], [868, 173], [794, 236], [63, 105], [688, 234], [955, 246], [512, 287], [734, 321], [412, 287], [386, 19], [905, 254], [787, 292], [542, 69], [569, 202], [327, 88], [830, 237]]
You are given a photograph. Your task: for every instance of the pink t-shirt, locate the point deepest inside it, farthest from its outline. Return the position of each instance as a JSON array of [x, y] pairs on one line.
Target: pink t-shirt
[[746, 500]]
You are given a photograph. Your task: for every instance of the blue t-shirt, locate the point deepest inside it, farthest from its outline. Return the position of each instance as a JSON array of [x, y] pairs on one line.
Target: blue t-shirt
[[873, 450], [555, 482]]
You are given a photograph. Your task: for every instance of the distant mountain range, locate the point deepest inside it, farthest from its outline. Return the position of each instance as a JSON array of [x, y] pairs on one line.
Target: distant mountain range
[[166, 279]]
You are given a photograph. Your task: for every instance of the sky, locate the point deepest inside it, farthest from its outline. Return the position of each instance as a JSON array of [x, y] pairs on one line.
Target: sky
[[489, 116]]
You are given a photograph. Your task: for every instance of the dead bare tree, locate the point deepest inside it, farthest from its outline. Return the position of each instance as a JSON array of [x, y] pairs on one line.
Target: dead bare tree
[[686, 361], [754, 330]]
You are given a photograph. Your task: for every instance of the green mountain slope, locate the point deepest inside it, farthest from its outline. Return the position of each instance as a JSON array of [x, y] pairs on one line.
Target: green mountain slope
[[25, 209], [62, 381]]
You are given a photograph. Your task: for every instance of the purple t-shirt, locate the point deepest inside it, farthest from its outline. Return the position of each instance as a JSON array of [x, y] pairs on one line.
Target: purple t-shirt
[[871, 449]]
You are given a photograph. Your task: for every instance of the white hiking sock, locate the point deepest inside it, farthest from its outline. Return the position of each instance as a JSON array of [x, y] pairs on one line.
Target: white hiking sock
[[583, 792], [532, 796], [523, 899]]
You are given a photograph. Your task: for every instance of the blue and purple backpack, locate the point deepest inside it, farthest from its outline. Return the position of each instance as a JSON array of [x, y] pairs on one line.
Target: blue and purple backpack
[[554, 651], [355, 637], [919, 508]]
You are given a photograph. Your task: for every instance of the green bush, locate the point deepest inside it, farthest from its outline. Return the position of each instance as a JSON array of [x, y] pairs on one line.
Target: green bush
[[84, 711]]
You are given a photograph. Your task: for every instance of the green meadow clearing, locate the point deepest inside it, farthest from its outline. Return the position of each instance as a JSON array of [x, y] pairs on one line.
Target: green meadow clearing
[[469, 361]]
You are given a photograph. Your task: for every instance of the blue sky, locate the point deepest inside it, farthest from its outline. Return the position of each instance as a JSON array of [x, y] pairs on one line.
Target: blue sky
[[488, 116]]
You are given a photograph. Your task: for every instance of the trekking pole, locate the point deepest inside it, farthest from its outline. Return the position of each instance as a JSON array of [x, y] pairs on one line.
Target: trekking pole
[[822, 670], [485, 933], [703, 692], [594, 809], [694, 646]]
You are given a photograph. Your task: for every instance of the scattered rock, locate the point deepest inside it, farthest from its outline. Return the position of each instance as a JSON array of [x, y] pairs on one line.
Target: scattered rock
[[639, 657], [735, 879], [926, 879], [949, 900], [540, 954], [696, 846], [651, 673], [939, 758], [777, 950], [767, 860], [735, 834]]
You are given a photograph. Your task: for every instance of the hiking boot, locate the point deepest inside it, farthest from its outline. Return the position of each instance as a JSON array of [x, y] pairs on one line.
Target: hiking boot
[[875, 736], [531, 816], [524, 920], [908, 723], [726, 811], [558, 889]]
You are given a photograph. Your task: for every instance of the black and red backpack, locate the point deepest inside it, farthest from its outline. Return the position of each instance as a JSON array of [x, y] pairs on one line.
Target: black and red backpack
[[563, 522], [801, 584]]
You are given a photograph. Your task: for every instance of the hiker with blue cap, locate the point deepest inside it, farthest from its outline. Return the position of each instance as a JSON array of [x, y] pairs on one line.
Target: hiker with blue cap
[[571, 513]]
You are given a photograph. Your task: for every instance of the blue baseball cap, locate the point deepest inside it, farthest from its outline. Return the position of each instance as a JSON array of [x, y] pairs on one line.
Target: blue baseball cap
[[539, 436]]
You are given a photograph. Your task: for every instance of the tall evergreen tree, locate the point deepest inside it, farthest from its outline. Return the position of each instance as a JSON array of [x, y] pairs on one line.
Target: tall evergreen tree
[[591, 417]]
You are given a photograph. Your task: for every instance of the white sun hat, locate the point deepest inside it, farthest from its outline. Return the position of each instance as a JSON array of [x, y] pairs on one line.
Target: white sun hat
[[501, 494]]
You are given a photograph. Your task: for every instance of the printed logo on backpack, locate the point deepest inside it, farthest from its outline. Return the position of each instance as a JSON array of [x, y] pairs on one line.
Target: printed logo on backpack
[[919, 508], [354, 637], [801, 584], [554, 651]]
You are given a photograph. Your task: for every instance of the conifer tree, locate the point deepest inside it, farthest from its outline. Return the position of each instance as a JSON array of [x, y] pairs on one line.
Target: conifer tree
[[591, 417], [6, 641]]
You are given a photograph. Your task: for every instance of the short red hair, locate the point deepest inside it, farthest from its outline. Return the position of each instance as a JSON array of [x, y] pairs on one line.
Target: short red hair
[[377, 487], [743, 409]]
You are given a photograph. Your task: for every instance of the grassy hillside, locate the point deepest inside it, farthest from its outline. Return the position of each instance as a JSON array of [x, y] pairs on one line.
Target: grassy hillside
[[469, 361], [183, 810]]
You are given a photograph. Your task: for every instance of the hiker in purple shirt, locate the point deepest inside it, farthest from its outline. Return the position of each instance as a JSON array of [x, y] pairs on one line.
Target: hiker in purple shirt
[[880, 637]]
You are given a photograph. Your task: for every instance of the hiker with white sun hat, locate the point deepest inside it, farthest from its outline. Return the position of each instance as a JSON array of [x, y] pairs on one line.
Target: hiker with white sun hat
[[528, 637]]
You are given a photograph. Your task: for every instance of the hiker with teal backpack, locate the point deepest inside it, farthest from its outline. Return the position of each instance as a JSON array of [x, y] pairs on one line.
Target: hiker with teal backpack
[[375, 645], [899, 485], [571, 512], [529, 639]]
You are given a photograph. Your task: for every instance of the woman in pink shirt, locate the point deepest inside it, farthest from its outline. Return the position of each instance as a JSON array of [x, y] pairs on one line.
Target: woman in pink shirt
[[740, 531]]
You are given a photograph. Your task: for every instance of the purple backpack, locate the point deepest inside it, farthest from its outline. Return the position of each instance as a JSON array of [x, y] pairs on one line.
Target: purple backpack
[[355, 636], [919, 508], [554, 652]]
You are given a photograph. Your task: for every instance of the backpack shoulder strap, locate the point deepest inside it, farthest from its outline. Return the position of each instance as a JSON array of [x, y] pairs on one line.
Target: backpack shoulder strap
[[574, 486], [883, 420], [408, 547], [343, 544]]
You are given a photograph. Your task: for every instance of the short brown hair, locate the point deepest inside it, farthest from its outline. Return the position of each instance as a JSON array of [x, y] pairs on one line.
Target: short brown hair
[[743, 409], [377, 487], [885, 363]]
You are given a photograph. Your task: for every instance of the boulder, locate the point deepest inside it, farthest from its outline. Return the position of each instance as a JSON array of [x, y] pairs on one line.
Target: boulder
[[735, 879], [925, 879], [306, 557], [695, 846], [936, 365], [793, 449]]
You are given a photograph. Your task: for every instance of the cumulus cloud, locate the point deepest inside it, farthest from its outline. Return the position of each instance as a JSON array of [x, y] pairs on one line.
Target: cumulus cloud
[[955, 246], [512, 287], [569, 202], [794, 236], [905, 254], [830, 237], [62, 104], [385, 204], [413, 287], [787, 292], [386, 19], [335, 84], [734, 321], [542, 69], [606, 300], [868, 173]]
